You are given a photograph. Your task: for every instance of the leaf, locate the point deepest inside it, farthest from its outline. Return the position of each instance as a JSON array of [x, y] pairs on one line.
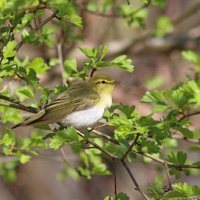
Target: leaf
[[74, 19], [153, 83], [9, 50], [191, 56], [123, 62], [122, 196], [183, 191], [70, 67], [160, 3], [186, 132], [8, 139], [24, 93], [108, 198], [88, 52], [164, 25], [24, 158], [38, 65], [63, 136]]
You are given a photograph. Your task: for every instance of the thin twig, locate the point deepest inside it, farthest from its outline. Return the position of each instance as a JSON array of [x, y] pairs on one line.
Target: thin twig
[[96, 145], [19, 45], [93, 71], [188, 115], [107, 137], [114, 15], [115, 179], [187, 13], [134, 180], [60, 57], [130, 147], [147, 34], [15, 104], [168, 176], [178, 167]]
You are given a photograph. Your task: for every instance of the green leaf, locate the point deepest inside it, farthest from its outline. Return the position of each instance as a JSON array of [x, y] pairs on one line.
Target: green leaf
[[90, 53], [153, 83], [70, 67], [24, 93], [56, 142], [38, 65], [64, 136], [123, 62], [164, 25], [122, 196], [24, 158], [108, 198], [185, 131], [183, 191], [191, 56], [160, 3], [178, 158], [9, 50], [8, 139], [74, 19]]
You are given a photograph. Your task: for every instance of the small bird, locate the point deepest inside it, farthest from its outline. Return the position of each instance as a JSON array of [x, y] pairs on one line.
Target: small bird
[[82, 105]]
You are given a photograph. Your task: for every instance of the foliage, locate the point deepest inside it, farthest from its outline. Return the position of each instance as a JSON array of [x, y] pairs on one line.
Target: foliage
[[134, 135]]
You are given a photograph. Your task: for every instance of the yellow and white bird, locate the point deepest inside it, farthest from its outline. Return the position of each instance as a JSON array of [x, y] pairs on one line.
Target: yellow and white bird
[[82, 105]]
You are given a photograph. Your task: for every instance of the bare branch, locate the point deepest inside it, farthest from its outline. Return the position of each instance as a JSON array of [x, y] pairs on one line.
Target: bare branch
[[134, 180], [60, 56], [168, 176], [188, 115], [16, 104], [115, 179], [107, 137], [93, 71]]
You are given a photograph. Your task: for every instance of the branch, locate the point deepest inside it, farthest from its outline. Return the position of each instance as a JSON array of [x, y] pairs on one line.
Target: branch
[[60, 57], [16, 104], [92, 72], [188, 115], [134, 180], [168, 178], [131, 146], [163, 162], [114, 15], [115, 179], [96, 145], [187, 13], [107, 137], [113, 157], [19, 45], [141, 38]]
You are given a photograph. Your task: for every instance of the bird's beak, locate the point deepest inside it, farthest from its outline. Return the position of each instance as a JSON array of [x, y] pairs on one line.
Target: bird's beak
[[116, 82]]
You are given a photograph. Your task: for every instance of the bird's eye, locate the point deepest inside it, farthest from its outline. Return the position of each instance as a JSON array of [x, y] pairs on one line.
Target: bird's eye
[[103, 82]]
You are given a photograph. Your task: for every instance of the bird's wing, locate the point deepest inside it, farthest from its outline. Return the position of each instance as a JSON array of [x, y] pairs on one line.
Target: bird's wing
[[78, 97]]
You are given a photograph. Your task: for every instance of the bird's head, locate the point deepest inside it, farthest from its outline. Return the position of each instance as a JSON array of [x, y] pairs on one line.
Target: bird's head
[[103, 83]]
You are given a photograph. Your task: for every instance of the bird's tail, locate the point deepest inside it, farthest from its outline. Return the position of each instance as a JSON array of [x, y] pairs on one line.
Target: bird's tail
[[32, 120]]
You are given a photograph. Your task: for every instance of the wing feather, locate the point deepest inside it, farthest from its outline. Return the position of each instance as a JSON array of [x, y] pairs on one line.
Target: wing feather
[[78, 97]]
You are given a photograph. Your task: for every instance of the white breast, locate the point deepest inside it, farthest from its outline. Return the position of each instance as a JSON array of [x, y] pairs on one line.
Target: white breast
[[84, 118]]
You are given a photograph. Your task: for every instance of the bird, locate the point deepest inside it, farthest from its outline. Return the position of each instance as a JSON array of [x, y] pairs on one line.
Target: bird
[[81, 105]]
